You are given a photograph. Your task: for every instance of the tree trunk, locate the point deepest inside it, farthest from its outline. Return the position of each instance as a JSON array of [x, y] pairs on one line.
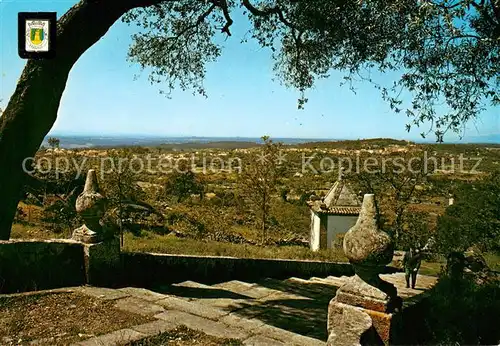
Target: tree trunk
[[32, 109], [264, 216]]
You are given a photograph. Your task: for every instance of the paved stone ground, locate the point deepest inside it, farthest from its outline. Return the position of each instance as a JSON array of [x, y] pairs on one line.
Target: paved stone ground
[[268, 312]]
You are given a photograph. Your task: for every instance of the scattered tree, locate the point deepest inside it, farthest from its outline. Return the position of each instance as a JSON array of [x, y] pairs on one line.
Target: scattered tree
[[120, 186], [396, 180], [284, 191], [53, 142], [473, 219], [259, 180], [182, 183], [416, 232], [61, 213]]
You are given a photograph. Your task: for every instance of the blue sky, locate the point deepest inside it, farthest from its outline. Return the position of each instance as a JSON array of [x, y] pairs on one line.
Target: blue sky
[[102, 96]]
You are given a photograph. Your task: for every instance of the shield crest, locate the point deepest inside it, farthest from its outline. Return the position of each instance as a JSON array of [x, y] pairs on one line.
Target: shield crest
[[37, 35]]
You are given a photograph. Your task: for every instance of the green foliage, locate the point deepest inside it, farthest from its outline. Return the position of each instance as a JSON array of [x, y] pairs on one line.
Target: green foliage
[[304, 197], [442, 51], [187, 225], [291, 218], [260, 180], [150, 242], [396, 180], [181, 184], [53, 142], [454, 313], [416, 231], [474, 218], [284, 191], [58, 188], [120, 181], [367, 143], [120, 187], [61, 213]]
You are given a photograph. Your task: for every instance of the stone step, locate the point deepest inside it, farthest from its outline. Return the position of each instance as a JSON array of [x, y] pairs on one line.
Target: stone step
[[398, 279], [250, 290], [217, 329], [139, 306], [235, 286], [142, 293], [238, 309], [330, 280], [189, 290], [192, 284], [192, 307], [102, 292], [287, 337], [299, 280], [340, 279]]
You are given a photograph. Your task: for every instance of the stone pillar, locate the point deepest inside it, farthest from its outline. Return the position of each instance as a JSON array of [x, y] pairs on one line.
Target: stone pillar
[[101, 251], [363, 310]]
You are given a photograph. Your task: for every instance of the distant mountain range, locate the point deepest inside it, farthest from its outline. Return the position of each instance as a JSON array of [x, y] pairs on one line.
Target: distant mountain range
[[73, 141], [494, 138], [82, 141]]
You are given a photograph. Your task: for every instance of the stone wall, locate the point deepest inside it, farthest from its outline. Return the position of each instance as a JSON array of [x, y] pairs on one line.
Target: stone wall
[[27, 265], [148, 269]]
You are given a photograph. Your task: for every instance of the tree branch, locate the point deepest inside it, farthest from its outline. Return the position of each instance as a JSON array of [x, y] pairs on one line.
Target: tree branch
[[227, 15], [267, 12]]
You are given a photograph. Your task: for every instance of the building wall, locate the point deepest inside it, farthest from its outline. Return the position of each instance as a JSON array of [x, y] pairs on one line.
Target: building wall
[[314, 239], [337, 224]]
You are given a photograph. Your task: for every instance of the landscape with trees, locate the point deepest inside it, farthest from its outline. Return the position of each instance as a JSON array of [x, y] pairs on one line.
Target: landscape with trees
[[253, 199]]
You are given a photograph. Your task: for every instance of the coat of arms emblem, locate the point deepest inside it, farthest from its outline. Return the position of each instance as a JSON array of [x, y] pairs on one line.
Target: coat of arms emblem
[[37, 36]]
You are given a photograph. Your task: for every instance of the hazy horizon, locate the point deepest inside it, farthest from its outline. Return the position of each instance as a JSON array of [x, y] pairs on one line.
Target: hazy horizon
[[493, 139]]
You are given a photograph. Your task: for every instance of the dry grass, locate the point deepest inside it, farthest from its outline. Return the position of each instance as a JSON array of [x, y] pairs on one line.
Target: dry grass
[[59, 318], [150, 242], [20, 231], [183, 336], [493, 261], [431, 268]]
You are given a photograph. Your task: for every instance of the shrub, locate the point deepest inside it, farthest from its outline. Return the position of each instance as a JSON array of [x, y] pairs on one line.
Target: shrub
[[455, 313], [182, 184], [474, 219]]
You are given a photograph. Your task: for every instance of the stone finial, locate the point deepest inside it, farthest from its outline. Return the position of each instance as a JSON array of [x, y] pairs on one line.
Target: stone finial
[[365, 303], [368, 248], [91, 185], [364, 243], [91, 206]]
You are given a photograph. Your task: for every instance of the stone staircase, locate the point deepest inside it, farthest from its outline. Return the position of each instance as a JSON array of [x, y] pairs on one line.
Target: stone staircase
[[266, 312]]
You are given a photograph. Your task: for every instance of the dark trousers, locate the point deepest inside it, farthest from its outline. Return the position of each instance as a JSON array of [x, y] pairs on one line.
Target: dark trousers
[[413, 275]]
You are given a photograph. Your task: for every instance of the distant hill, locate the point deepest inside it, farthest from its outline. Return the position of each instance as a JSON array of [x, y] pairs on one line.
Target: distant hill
[[181, 143], [190, 143], [356, 144], [486, 139], [209, 145]]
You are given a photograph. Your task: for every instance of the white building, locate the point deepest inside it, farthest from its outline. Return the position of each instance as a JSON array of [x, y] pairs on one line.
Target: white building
[[333, 215]]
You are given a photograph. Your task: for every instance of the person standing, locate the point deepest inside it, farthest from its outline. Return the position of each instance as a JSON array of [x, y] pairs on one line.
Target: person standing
[[411, 263]]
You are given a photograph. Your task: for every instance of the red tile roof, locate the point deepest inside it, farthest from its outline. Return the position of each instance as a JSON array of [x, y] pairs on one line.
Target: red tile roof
[[341, 211]]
